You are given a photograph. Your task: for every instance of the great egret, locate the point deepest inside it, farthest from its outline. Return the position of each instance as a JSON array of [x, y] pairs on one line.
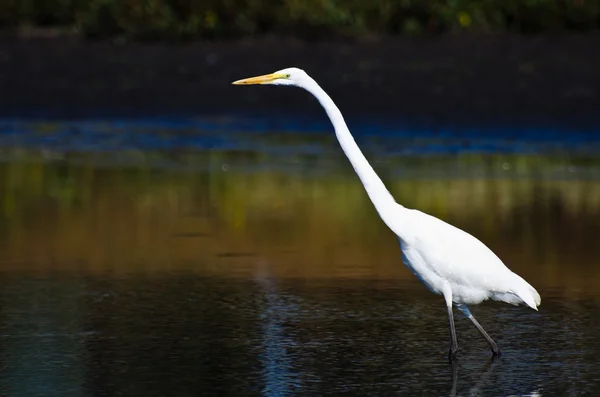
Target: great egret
[[449, 261]]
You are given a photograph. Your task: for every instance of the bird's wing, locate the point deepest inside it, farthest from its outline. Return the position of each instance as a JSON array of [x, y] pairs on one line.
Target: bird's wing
[[455, 255]]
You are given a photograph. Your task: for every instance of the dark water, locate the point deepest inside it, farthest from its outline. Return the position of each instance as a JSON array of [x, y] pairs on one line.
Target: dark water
[[189, 335], [219, 258]]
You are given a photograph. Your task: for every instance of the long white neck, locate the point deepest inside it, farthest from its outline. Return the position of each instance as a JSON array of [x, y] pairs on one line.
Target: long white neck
[[379, 195]]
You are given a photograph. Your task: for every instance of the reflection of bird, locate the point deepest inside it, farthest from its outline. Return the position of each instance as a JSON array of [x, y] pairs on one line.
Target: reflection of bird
[[449, 261]]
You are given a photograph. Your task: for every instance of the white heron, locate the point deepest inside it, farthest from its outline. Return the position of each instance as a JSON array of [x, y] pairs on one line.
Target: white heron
[[449, 261]]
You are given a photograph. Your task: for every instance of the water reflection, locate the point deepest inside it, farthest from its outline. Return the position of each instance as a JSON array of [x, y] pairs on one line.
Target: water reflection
[[74, 216], [189, 335], [246, 272]]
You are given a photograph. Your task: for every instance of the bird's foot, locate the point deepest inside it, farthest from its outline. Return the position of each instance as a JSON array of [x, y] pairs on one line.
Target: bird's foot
[[496, 352], [495, 349], [452, 353]]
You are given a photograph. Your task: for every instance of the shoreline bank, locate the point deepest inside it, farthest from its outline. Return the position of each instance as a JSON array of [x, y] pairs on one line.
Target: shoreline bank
[[506, 79]]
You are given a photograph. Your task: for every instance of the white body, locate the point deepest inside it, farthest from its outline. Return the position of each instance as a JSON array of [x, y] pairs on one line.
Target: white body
[[444, 257], [449, 261]]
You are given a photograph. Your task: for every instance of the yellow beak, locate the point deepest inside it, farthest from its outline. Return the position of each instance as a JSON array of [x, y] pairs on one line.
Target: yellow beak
[[266, 78]]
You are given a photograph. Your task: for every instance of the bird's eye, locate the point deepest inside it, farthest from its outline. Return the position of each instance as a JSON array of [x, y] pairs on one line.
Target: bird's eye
[[287, 76]]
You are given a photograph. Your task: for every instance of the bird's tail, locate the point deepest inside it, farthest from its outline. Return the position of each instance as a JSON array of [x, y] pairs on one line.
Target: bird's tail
[[527, 293]]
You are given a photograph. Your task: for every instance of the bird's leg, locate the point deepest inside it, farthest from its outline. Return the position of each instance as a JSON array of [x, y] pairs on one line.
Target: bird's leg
[[493, 346], [447, 292], [454, 343]]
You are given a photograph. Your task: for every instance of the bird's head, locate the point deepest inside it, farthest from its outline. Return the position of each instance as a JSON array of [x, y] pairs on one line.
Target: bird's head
[[288, 76]]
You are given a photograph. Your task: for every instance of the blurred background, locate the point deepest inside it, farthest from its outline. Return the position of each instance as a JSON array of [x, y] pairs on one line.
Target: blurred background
[[163, 232]]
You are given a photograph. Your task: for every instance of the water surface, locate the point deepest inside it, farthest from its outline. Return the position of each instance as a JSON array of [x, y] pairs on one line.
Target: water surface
[[217, 258]]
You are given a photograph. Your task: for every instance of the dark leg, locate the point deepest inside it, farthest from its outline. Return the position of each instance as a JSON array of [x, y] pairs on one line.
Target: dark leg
[[493, 346], [454, 343]]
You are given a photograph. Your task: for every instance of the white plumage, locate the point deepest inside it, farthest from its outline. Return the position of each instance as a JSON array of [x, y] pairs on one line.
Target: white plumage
[[439, 254], [449, 261]]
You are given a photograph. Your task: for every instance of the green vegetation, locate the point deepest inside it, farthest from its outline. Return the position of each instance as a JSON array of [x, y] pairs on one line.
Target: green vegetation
[[187, 19]]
